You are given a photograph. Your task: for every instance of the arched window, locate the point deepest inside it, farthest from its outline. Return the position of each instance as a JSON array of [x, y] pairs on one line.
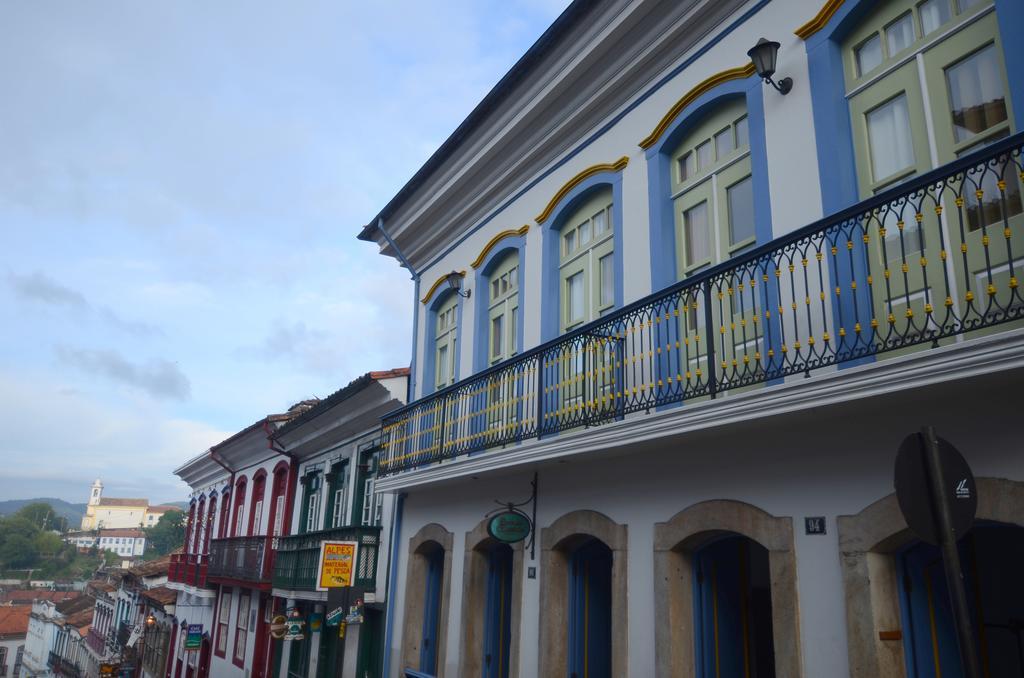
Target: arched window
[[239, 530], [446, 327], [225, 513], [926, 83], [503, 309], [586, 264], [712, 189], [256, 502]]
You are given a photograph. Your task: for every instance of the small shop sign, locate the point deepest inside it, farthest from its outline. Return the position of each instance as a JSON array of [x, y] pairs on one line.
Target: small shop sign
[[194, 639], [337, 564], [294, 625], [278, 626], [509, 526]]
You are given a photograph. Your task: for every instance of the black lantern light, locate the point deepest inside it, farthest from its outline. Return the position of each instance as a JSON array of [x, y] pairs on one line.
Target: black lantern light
[[150, 620], [764, 55], [455, 284]]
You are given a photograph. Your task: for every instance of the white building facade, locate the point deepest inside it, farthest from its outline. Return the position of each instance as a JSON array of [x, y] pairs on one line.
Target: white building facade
[[703, 314]]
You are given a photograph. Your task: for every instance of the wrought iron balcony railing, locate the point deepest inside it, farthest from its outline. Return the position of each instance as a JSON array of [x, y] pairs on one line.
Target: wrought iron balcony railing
[[298, 556], [188, 568], [241, 558], [62, 666], [920, 264]]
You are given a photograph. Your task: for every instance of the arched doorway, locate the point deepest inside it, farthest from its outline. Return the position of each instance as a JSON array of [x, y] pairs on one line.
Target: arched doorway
[[898, 621], [733, 609], [725, 593], [491, 600], [590, 610], [993, 560], [424, 629], [584, 624]]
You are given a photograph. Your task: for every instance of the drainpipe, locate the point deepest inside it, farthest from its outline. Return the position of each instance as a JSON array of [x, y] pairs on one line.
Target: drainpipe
[[389, 615], [411, 385]]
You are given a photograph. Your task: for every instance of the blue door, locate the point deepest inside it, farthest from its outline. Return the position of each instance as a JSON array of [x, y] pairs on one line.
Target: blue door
[[590, 611], [498, 614], [732, 610], [992, 557], [431, 610]]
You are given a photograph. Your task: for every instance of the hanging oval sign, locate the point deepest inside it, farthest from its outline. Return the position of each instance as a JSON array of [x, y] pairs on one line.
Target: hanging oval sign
[[509, 527]]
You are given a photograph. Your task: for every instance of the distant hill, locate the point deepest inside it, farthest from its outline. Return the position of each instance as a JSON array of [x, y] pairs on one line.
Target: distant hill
[[73, 512]]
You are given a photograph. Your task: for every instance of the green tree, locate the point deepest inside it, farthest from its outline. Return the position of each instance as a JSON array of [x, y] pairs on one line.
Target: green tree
[[48, 544], [167, 535], [18, 551], [43, 516]]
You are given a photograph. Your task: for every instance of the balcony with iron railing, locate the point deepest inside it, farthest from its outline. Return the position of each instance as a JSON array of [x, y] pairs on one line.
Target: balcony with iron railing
[[188, 568], [61, 666], [295, 567], [931, 261], [96, 642], [246, 559]]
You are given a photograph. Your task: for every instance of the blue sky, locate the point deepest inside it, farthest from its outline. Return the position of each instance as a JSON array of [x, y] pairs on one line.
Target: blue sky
[[181, 184]]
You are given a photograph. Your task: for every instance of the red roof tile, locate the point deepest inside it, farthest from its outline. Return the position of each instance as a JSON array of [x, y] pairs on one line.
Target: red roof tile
[[14, 620]]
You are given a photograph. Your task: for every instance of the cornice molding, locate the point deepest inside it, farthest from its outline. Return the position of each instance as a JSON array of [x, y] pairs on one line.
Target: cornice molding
[[478, 262], [738, 73], [437, 283], [820, 19], [578, 179]]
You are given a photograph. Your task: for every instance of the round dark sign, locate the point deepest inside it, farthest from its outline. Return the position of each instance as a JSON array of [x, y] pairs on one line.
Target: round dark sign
[[509, 527], [913, 490]]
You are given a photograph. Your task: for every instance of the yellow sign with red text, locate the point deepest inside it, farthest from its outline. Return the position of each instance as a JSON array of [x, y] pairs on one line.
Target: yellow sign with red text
[[337, 564]]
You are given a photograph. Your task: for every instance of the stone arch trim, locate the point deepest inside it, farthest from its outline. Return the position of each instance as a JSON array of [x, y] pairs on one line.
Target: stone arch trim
[[674, 543], [428, 535], [474, 598], [867, 544], [556, 544]]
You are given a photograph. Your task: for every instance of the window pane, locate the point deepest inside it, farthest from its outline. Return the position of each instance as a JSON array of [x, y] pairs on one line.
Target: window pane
[[584, 233], [889, 138], [600, 223], [574, 296], [497, 327], [900, 34], [570, 241], [512, 338], [697, 238], [504, 283], [741, 211], [513, 277], [724, 143], [965, 5], [442, 362], [976, 94], [607, 271], [869, 54], [687, 167], [933, 13], [742, 132], [704, 155], [495, 291]]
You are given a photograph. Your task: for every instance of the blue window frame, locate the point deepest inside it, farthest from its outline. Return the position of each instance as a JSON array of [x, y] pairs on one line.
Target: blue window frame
[[590, 611]]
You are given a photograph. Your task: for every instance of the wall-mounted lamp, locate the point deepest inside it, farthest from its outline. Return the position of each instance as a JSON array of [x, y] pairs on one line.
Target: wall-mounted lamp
[[764, 54], [455, 284], [150, 620]]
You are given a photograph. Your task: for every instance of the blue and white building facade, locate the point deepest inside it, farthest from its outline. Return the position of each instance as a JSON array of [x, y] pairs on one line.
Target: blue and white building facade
[[703, 314]]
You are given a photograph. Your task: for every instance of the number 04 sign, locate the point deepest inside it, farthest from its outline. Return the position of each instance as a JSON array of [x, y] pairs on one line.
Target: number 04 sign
[[337, 564]]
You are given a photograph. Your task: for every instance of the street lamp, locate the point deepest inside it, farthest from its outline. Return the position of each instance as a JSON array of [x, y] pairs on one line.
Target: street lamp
[[455, 284], [150, 621], [764, 55]]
